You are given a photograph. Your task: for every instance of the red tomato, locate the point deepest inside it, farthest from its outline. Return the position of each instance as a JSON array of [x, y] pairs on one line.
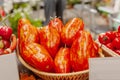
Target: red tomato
[[119, 29], [110, 46], [82, 49], [22, 22], [117, 51], [62, 61], [117, 34], [111, 35], [57, 23], [6, 43], [50, 39], [6, 32], [1, 51], [37, 56], [116, 43], [26, 33], [2, 12], [104, 39], [69, 32]]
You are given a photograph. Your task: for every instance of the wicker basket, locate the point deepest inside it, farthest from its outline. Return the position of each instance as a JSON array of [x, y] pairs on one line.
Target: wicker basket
[[81, 75], [106, 51]]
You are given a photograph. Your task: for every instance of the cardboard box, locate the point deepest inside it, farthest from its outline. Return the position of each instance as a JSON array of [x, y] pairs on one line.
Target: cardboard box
[[9, 67]]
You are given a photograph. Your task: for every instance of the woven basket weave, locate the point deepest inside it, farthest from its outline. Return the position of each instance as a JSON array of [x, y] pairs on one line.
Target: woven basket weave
[[80, 75]]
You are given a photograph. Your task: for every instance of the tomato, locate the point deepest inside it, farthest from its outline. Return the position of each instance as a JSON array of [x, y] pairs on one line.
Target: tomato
[[82, 49], [1, 51], [13, 44], [6, 32], [104, 39], [69, 32], [117, 51], [119, 29], [110, 46], [111, 35], [50, 39], [56, 23], [2, 12], [62, 61], [117, 34], [26, 33], [116, 43], [37, 56], [21, 22]]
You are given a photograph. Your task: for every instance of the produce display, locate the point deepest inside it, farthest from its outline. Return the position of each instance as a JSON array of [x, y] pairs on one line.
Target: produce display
[[111, 39], [56, 48], [8, 40]]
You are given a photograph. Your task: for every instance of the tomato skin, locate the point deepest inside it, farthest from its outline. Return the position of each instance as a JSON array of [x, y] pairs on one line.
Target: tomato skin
[[69, 32], [119, 29], [6, 32], [37, 56], [62, 61], [50, 39], [116, 43], [21, 23], [117, 51], [110, 46], [82, 49], [111, 35], [117, 34], [26, 33], [104, 39], [56, 23]]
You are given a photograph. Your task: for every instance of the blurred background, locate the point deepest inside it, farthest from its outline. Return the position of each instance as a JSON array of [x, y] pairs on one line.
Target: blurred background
[[98, 15]]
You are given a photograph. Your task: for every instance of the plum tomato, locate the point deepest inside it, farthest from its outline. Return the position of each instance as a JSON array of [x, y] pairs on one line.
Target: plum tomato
[[116, 43], [104, 39], [110, 34], [110, 46], [62, 61], [117, 51], [119, 29]]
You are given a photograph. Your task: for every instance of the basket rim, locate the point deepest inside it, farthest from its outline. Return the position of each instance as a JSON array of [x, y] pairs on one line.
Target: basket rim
[[48, 73], [103, 47]]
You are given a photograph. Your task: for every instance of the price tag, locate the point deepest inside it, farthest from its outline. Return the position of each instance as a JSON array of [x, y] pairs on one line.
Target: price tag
[[107, 68]]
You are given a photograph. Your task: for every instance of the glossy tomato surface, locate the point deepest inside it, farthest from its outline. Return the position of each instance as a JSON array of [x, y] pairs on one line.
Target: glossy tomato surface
[[82, 49], [37, 56], [62, 61], [69, 32], [50, 39]]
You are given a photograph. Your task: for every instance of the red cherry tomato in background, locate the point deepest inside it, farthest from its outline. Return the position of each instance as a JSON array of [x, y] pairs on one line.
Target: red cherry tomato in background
[[116, 43], [119, 29], [111, 35], [117, 51], [104, 39], [110, 46]]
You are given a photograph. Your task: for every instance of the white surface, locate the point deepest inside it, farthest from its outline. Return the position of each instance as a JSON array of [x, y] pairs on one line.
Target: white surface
[[8, 67], [107, 68]]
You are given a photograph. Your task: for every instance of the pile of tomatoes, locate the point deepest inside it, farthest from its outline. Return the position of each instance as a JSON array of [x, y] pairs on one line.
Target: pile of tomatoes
[[111, 39], [8, 40], [56, 47]]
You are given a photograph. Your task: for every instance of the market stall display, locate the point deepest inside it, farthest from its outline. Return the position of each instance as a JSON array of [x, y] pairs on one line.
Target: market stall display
[[56, 52]]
